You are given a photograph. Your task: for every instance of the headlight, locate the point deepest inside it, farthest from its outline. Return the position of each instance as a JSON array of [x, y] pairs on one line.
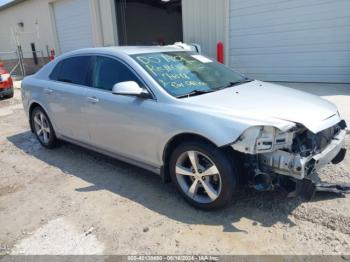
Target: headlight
[[263, 139]]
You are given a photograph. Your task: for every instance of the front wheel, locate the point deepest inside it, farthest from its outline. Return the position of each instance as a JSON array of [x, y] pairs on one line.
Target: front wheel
[[203, 174]]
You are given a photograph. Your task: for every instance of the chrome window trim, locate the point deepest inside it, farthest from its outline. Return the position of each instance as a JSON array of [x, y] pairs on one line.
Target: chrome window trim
[[91, 55]]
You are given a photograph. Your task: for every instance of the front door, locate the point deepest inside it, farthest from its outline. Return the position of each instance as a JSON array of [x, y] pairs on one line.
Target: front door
[[123, 125]]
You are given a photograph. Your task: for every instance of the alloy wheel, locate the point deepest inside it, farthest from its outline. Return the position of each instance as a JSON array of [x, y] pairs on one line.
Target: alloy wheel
[[198, 177], [42, 127]]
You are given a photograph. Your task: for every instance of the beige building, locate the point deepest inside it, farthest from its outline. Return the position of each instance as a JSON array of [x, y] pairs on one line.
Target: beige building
[[305, 41], [65, 25]]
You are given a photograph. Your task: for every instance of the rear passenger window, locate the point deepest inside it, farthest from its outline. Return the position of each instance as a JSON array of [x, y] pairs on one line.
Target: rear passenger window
[[55, 73], [72, 70]]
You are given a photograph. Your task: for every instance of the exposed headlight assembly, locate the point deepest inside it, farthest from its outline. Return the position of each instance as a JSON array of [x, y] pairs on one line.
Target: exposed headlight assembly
[[263, 139]]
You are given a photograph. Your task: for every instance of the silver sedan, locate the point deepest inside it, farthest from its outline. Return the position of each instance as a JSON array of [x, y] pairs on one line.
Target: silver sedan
[[197, 123]]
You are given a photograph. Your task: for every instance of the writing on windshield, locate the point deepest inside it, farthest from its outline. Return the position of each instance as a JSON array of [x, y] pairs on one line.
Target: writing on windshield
[[180, 73], [171, 70]]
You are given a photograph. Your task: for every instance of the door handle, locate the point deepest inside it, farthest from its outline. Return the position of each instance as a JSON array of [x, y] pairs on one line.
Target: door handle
[[93, 100], [48, 91]]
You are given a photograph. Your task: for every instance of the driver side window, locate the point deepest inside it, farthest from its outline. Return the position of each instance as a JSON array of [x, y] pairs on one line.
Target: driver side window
[[107, 72]]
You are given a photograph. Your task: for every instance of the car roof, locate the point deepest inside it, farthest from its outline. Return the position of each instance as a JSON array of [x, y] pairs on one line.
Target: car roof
[[132, 50]]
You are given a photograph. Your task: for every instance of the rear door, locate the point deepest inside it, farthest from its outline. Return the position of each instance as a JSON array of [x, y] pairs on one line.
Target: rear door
[[66, 97]]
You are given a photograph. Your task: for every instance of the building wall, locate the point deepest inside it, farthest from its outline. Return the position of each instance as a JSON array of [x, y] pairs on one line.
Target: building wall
[[104, 25], [108, 22], [39, 25], [35, 16], [302, 41], [206, 22], [103, 22]]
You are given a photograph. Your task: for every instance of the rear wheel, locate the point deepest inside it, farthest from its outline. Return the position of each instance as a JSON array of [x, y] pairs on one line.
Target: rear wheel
[[43, 129], [203, 175]]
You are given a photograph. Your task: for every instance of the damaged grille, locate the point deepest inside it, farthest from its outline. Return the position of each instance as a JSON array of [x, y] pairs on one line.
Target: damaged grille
[[307, 143], [309, 152]]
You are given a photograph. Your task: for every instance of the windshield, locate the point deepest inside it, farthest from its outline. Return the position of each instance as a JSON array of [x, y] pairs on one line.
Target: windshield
[[186, 73]]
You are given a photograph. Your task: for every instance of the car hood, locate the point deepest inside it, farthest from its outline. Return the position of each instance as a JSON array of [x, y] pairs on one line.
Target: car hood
[[265, 101]]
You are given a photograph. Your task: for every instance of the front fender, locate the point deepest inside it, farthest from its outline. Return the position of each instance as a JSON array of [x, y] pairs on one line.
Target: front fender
[[220, 129]]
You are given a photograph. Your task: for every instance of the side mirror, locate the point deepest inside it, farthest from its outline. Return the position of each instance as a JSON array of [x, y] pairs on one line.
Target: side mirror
[[129, 88]]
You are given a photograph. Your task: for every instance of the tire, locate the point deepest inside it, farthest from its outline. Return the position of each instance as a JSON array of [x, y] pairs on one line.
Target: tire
[[46, 136], [194, 185], [10, 95], [7, 96]]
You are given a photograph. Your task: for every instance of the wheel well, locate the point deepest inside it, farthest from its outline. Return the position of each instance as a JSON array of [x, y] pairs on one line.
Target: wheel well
[[31, 108], [176, 141]]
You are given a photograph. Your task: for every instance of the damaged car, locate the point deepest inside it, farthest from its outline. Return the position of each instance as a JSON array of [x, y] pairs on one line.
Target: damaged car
[[197, 123]]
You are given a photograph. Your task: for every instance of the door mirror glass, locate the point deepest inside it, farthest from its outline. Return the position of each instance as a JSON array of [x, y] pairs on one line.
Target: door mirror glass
[[129, 88]]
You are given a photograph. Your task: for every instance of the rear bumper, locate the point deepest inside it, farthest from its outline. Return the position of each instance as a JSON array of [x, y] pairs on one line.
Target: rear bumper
[[6, 92], [293, 165]]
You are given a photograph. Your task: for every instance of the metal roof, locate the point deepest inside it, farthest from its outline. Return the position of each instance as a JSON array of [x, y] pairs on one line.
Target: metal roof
[[131, 50], [128, 50]]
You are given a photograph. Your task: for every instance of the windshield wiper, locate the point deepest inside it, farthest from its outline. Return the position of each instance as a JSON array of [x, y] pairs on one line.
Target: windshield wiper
[[201, 92], [231, 84], [195, 93]]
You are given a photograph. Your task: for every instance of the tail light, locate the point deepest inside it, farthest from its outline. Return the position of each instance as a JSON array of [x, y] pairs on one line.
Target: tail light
[[5, 81], [4, 77]]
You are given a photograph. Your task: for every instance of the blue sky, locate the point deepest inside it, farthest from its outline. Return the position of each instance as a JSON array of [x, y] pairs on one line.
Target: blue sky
[[4, 1]]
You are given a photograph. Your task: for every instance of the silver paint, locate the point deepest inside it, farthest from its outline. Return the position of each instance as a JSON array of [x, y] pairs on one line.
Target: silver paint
[[137, 130]]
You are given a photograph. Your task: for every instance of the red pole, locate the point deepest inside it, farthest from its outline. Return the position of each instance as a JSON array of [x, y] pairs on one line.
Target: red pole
[[220, 52], [52, 54]]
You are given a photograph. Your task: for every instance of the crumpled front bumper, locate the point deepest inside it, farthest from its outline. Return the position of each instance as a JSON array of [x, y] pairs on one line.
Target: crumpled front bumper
[[293, 165]]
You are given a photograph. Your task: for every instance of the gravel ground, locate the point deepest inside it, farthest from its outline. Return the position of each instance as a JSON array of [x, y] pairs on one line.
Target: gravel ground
[[73, 201]]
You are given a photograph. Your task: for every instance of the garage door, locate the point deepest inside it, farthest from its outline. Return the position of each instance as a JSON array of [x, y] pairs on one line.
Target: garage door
[[299, 40], [73, 24]]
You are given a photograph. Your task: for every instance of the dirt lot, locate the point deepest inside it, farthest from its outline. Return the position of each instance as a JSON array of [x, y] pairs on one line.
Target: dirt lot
[[73, 201]]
